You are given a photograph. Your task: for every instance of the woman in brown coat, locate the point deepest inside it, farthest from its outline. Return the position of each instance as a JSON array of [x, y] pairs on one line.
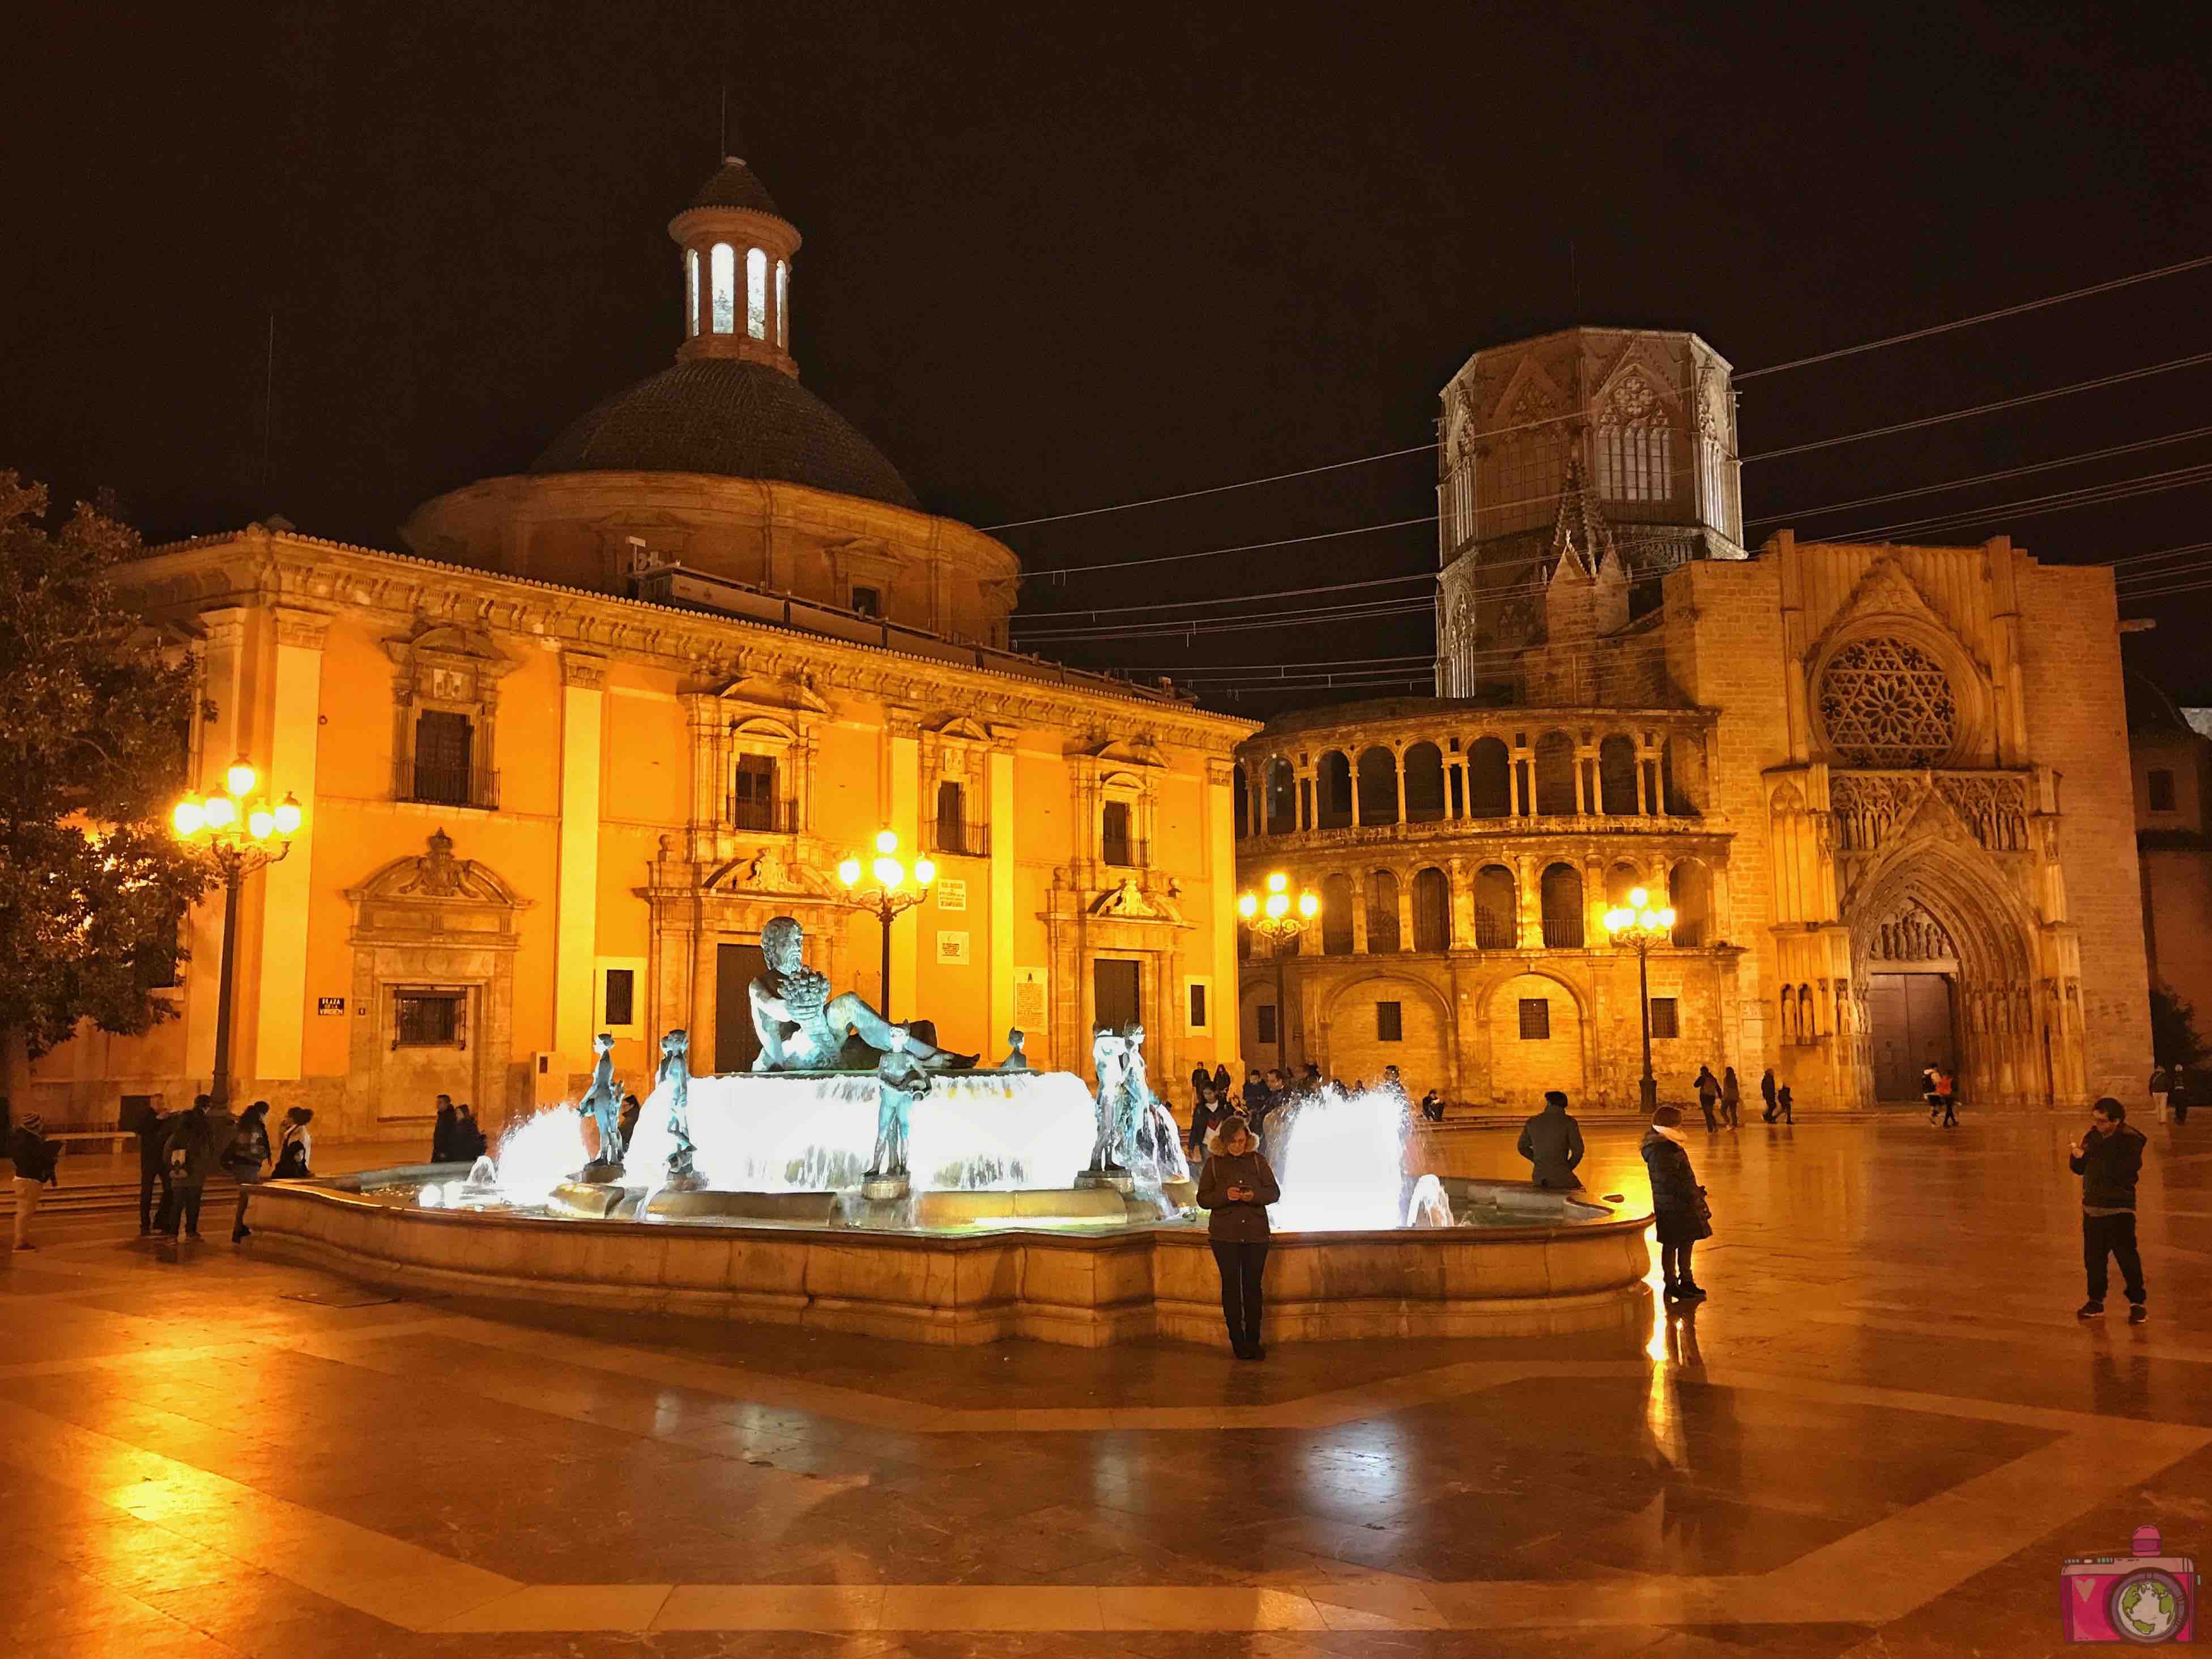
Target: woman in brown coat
[[1236, 1188]]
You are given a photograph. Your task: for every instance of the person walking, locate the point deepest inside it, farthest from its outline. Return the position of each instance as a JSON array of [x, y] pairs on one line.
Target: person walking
[[2108, 1158], [151, 1129], [2161, 1084], [1553, 1142], [35, 1159], [1234, 1190], [1947, 1097], [470, 1142], [1709, 1090], [1200, 1079], [1766, 1093], [1223, 1083], [1678, 1203], [1928, 1091], [1203, 1115], [295, 1146], [1784, 1105], [242, 1161], [1731, 1097]]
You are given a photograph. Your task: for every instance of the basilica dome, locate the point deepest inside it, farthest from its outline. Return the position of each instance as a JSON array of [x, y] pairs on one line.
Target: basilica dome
[[728, 416]]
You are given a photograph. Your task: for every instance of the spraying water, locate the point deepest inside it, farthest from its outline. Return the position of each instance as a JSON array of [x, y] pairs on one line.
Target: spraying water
[[1341, 1162]]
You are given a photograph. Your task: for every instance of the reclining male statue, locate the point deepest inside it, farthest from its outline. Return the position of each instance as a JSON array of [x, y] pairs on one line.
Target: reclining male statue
[[801, 1026]]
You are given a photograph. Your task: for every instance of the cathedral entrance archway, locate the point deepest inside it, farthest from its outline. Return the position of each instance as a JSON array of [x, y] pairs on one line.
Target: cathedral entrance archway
[[1911, 1018]]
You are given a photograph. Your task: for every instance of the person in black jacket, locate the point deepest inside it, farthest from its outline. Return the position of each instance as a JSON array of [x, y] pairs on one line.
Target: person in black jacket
[[34, 1157], [1678, 1203], [152, 1128], [1766, 1094], [244, 1160], [1223, 1084], [1236, 1188], [2108, 1158], [441, 1131], [1552, 1141], [470, 1143]]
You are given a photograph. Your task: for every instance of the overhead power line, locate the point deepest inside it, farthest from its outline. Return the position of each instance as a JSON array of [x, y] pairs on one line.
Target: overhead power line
[[2150, 484]]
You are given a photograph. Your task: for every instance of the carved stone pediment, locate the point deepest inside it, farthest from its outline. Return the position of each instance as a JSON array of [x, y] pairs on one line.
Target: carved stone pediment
[[790, 693], [437, 874], [1887, 594], [768, 870], [453, 639], [1139, 750], [1130, 903]]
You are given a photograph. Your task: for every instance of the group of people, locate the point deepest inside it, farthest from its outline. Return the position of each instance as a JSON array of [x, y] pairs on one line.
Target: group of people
[[2173, 1090], [1720, 1099], [178, 1150], [456, 1136]]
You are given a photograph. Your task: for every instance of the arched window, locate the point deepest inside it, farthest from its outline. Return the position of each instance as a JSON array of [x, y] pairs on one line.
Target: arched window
[[1690, 891], [757, 293], [1497, 909], [1555, 774], [1489, 780], [1431, 911], [1332, 791], [1382, 911], [1560, 894], [722, 284], [690, 292], [1616, 775], [1336, 915], [1239, 801], [1620, 881], [1682, 776], [782, 305], [1282, 798], [1378, 787], [1425, 783], [1635, 445], [1520, 488]]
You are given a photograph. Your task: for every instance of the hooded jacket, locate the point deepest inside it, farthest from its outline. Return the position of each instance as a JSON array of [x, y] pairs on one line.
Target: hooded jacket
[[2108, 1167]]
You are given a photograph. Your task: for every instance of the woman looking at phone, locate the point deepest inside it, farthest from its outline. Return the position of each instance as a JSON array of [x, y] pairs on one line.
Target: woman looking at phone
[[1236, 1188]]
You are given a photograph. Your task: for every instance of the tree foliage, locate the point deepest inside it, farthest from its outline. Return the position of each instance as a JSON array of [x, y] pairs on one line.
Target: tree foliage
[[2173, 1038], [94, 733]]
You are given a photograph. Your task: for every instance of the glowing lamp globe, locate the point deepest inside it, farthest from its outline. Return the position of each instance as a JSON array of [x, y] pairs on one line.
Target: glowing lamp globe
[[1277, 882], [886, 841], [241, 778], [261, 824], [1637, 898], [925, 872], [1279, 905], [220, 812], [1247, 906], [888, 870], [1308, 905], [188, 819], [850, 872], [288, 816]]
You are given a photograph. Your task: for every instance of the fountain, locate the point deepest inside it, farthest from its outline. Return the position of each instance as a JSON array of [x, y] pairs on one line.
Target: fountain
[[930, 1199]]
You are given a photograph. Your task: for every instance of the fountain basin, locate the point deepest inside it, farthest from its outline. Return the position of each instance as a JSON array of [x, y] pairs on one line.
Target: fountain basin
[[1082, 1281]]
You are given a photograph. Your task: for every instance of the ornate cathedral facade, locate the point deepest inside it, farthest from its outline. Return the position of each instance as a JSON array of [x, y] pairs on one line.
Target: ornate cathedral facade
[[1885, 787], [566, 753]]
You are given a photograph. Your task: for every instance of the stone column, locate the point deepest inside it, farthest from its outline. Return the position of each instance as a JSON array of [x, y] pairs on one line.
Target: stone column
[[288, 889], [1528, 900], [1461, 874], [902, 774], [1354, 775], [1000, 962], [1227, 1014], [1407, 939], [576, 917], [1398, 771], [1359, 912]]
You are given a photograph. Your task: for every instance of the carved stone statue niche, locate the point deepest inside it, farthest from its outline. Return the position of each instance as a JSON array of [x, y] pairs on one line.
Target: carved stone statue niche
[[801, 1026]]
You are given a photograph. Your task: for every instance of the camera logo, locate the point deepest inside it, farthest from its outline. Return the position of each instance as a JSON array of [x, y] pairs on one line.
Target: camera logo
[[2145, 1598]]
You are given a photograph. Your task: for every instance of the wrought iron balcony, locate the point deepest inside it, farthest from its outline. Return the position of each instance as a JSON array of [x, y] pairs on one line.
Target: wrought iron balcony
[[445, 786], [1563, 933], [772, 817], [1130, 855], [958, 840]]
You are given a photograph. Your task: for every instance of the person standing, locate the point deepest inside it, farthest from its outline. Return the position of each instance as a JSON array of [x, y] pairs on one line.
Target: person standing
[[1553, 1142], [2181, 1093], [2161, 1083], [242, 1161], [35, 1159], [1200, 1079], [441, 1131], [1203, 1116], [1678, 1203], [1223, 1083], [1234, 1190], [187, 1157], [151, 1129], [295, 1146], [1709, 1090], [1731, 1097], [1947, 1095], [470, 1143], [1766, 1093], [2108, 1158]]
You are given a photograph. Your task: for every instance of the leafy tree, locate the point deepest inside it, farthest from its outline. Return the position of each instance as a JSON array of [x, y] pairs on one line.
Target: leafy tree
[[93, 730], [2173, 1039]]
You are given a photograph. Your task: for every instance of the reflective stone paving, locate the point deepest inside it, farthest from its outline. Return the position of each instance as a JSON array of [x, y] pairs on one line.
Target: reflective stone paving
[[1882, 1435]]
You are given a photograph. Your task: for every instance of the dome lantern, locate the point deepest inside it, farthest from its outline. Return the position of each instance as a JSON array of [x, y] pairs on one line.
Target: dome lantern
[[737, 250]]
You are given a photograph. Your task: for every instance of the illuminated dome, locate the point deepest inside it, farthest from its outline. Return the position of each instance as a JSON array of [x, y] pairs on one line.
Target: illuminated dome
[[732, 417]]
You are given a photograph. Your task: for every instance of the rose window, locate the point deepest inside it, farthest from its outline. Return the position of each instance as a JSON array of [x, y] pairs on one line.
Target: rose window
[[1887, 703]]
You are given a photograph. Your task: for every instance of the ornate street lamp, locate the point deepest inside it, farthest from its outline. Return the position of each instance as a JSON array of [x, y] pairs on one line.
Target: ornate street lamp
[[1278, 918], [1639, 927], [234, 831], [891, 896]]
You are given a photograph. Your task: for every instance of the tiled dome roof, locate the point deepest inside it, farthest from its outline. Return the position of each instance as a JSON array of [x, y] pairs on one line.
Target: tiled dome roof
[[741, 420], [734, 186]]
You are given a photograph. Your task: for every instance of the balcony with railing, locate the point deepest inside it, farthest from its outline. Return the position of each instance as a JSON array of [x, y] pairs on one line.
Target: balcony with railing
[[948, 839], [760, 816], [1563, 933], [445, 786], [1126, 853]]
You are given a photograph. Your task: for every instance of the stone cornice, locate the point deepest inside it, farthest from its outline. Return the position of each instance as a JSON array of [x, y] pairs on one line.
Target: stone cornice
[[257, 567]]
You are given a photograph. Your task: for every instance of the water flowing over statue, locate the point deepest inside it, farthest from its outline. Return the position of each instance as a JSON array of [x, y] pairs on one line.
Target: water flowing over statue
[[900, 1080], [1109, 1062], [675, 1076], [602, 1104], [801, 1026], [1153, 1142]]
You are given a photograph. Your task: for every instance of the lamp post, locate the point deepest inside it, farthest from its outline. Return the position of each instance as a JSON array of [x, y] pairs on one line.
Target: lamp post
[[1279, 918], [234, 830], [1639, 927], [891, 896]]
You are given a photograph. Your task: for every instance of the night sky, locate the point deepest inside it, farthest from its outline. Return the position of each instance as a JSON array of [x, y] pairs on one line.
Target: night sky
[[1066, 257]]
